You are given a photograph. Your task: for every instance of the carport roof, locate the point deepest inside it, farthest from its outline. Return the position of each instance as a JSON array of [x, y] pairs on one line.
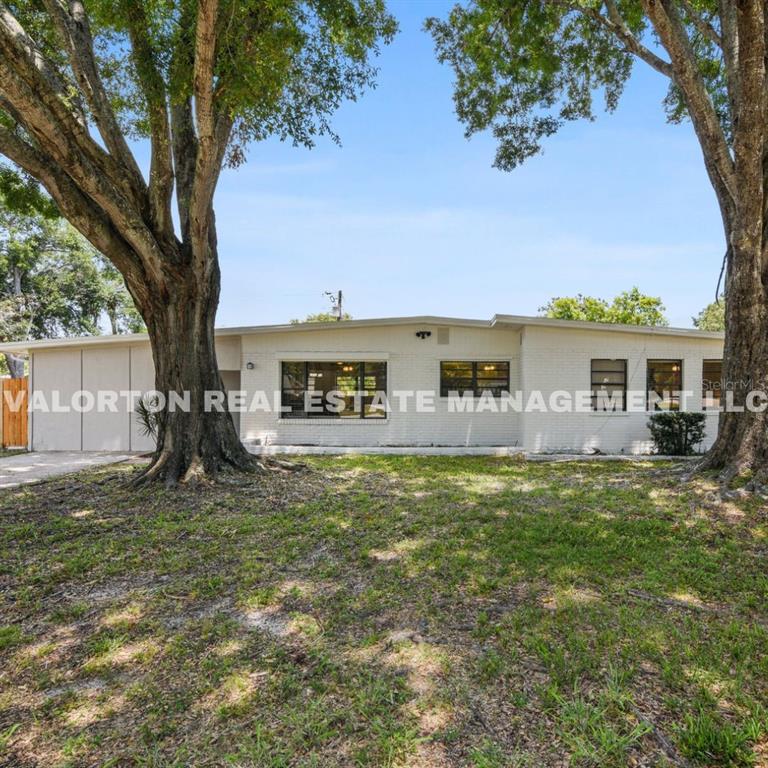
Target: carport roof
[[497, 321]]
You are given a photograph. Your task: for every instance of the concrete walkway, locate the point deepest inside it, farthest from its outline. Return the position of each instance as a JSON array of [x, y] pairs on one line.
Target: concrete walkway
[[26, 468], [473, 450]]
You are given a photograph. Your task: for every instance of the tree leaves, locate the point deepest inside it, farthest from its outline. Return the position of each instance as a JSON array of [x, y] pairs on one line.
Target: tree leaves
[[524, 69], [628, 308]]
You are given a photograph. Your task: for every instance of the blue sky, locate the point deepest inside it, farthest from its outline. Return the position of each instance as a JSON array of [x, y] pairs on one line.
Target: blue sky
[[408, 217]]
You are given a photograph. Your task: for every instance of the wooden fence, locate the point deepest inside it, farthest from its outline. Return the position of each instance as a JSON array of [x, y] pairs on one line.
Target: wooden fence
[[14, 394]]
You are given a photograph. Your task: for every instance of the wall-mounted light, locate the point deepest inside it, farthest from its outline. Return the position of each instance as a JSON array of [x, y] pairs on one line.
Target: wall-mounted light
[[250, 366], [423, 334]]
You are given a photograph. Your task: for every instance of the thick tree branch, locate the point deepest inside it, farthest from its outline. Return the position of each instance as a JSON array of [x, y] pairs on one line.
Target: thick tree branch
[[184, 158], [96, 175], [717, 158], [730, 48], [161, 164], [749, 131], [185, 145], [205, 54], [214, 127], [47, 115], [72, 22], [74, 205], [704, 27], [615, 24], [20, 41]]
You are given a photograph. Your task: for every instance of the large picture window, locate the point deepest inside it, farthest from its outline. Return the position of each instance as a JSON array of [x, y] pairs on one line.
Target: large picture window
[[665, 382], [354, 390], [474, 377], [609, 385], [712, 384]]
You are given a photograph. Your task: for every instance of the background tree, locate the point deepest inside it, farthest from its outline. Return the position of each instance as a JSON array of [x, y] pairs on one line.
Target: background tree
[[321, 317], [199, 79], [523, 69], [52, 282], [628, 308], [118, 306], [712, 317]]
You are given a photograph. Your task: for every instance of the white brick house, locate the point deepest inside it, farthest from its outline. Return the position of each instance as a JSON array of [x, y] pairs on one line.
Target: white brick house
[[513, 354]]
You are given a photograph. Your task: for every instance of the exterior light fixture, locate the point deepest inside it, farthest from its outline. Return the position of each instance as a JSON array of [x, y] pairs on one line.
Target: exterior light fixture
[[250, 366], [423, 334]]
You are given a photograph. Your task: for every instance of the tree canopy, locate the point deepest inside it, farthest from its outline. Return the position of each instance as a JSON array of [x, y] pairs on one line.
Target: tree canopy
[[524, 69], [712, 317], [321, 317], [628, 308]]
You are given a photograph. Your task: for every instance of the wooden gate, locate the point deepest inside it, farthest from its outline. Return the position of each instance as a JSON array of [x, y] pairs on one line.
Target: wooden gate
[[15, 395]]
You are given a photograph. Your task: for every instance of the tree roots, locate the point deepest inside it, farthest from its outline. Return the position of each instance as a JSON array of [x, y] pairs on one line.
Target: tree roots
[[166, 467]]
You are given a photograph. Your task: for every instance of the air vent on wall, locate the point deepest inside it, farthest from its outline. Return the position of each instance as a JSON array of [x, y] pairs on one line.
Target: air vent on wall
[[443, 335]]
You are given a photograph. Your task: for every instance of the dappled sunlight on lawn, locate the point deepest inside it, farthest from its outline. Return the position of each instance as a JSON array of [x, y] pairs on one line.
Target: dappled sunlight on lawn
[[380, 611]]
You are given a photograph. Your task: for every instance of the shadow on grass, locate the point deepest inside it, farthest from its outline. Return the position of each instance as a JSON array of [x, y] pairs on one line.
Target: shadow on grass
[[384, 611]]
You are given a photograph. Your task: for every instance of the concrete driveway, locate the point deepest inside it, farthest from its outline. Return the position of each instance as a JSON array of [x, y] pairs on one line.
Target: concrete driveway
[[26, 468]]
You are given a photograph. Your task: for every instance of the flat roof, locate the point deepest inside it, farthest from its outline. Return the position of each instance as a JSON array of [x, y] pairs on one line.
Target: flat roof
[[520, 321], [497, 321]]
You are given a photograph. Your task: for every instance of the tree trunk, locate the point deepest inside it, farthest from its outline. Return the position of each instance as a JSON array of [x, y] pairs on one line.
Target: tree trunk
[[193, 443], [742, 440], [15, 366]]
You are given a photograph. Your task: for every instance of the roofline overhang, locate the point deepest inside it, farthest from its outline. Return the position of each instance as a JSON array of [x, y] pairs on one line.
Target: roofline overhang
[[520, 321], [500, 322], [142, 338]]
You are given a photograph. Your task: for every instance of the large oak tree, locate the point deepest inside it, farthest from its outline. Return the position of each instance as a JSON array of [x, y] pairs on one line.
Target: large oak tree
[[525, 67], [200, 79]]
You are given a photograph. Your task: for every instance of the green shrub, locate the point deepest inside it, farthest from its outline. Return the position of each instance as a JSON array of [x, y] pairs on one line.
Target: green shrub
[[676, 433]]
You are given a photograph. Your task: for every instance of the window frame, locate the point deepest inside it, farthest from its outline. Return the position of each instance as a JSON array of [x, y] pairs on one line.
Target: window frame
[[593, 387], [648, 388], [474, 391], [714, 408], [326, 414]]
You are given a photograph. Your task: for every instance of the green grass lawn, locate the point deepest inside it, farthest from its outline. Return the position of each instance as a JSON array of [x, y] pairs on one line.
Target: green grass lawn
[[379, 611]]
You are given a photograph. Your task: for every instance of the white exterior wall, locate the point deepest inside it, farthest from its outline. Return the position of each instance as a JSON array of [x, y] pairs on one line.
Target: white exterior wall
[[60, 371], [228, 353], [102, 367], [105, 370], [412, 364], [555, 359], [541, 358]]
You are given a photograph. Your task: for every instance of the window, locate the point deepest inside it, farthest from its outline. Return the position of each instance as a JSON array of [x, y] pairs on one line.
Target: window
[[609, 385], [712, 384], [474, 378], [334, 390], [665, 382]]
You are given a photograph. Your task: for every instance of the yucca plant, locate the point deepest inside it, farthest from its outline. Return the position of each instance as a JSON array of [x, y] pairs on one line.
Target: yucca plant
[[149, 415]]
